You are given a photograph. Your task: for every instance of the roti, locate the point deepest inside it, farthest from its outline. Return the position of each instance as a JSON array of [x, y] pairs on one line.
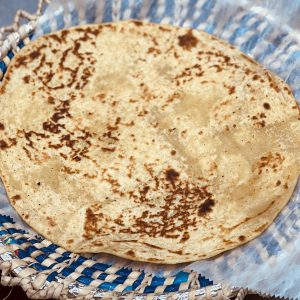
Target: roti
[[147, 141]]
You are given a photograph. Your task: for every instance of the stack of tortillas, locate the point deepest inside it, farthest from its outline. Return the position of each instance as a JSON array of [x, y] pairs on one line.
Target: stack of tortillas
[[147, 141]]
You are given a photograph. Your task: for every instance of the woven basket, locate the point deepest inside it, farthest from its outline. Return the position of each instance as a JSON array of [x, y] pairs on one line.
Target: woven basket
[[45, 270]]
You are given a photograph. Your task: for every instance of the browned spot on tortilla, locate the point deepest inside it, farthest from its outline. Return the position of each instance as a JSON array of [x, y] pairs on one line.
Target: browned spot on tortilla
[[286, 186], [137, 23], [172, 175], [270, 161], [287, 90], [179, 252], [188, 40], [183, 196], [164, 28], [26, 78], [70, 241], [16, 197], [242, 238], [69, 170], [24, 60], [231, 90], [153, 50], [256, 77], [278, 182], [131, 253], [125, 241], [185, 237], [51, 100], [105, 149], [5, 145], [173, 152], [92, 218], [51, 222], [2, 127], [266, 105], [206, 207], [152, 246], [55, 37], [217, 67], [26, 216]]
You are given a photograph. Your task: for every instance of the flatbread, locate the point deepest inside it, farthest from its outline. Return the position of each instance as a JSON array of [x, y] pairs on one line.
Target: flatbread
[[147, 141]]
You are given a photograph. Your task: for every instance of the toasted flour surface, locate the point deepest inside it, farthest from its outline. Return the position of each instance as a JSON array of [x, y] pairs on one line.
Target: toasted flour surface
[[150, 142]]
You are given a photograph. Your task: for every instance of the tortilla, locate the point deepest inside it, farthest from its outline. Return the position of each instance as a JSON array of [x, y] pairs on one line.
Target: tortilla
[[150, 142]]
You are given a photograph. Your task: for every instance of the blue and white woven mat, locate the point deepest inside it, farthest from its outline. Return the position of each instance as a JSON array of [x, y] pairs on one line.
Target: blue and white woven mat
[[266, 30]]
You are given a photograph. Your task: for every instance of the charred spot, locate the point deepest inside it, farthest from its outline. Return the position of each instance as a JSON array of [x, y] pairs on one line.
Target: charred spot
[[26, 79], [130, 253], [91, 223], [3, 145], [188, 40], [153, 50], [34, 54], [55, 37], [146, 189], [38, 183], [16, 197], [266, 106], [106, 149], [51, 100], [255, 77], [185, 237], [278, 183], [173, 152], [51, 222], [231, 90], [179, 252], [152, 246], [164, 29], [172, 175], [262, 115], [206, 207], [137, 23], [285, 186], [51, 127], [217, 67], [2, 127], [242, 238], [76, 158]]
